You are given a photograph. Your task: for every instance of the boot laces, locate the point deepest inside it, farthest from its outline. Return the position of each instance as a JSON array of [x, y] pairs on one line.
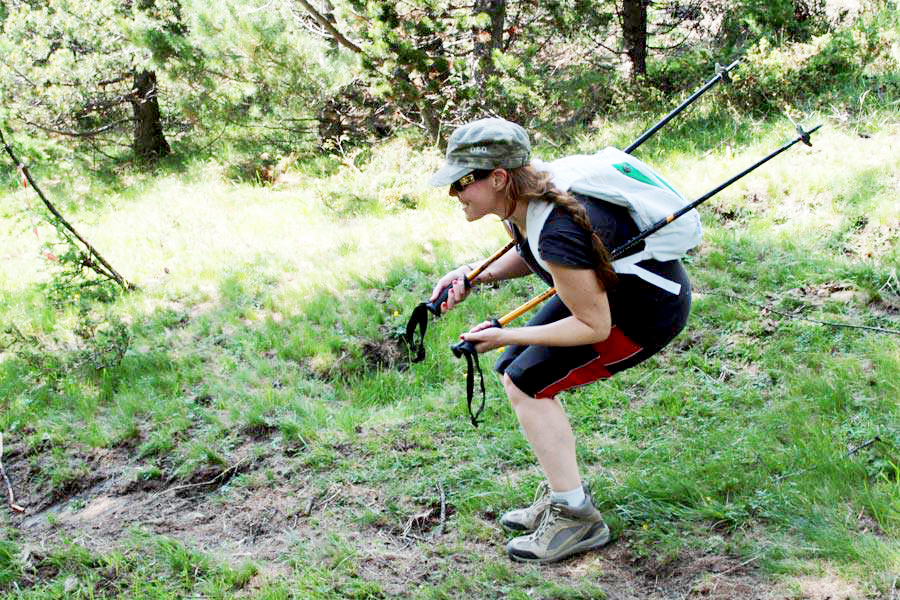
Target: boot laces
[[551, 513], [543, 489], [541, 498]]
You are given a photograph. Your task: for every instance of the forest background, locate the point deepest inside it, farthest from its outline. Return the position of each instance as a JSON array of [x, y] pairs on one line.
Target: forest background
[[237, 415]]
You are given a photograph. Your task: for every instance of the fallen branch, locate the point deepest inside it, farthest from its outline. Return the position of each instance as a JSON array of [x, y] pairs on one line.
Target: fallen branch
[[852, 451], [101, 267], [797, 317], [440, 528], [9, 490]]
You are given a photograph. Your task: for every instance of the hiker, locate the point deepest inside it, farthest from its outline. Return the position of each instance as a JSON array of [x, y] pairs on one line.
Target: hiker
[[599, 323]]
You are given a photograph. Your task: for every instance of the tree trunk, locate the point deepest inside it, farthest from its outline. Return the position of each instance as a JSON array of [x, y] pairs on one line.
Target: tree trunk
[[486, 40], [149, 141], [634, 34]]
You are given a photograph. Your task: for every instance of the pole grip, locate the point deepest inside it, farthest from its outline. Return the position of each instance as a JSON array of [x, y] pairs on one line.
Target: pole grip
[[460, 348], [435, 307]]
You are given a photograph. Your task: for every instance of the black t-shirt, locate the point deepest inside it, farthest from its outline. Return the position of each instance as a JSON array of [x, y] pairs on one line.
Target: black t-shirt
[[644, 312]]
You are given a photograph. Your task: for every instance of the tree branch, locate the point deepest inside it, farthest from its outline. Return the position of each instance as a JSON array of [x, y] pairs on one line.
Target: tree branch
[[324, 22], [79, 134], [107, 270]]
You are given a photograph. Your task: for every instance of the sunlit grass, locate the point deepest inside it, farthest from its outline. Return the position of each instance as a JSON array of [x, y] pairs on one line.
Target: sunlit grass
[[255, 302]]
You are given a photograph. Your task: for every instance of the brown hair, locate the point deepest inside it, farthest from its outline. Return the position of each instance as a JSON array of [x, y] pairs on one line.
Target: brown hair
[[527, 183]]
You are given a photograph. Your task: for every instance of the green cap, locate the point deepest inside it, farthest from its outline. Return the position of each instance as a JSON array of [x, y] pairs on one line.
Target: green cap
[[483, 144]]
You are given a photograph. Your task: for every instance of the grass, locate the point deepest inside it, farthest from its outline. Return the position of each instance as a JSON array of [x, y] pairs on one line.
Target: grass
[[242, 382]]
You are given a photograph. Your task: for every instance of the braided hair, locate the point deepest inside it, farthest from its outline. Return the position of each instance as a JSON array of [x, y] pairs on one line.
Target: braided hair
[[527, 183]]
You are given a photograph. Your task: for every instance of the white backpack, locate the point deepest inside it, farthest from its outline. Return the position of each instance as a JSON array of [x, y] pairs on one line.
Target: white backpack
[[613, 176]]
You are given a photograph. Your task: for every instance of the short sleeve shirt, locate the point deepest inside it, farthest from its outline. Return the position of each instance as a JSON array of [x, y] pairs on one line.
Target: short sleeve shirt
[[643, 311]]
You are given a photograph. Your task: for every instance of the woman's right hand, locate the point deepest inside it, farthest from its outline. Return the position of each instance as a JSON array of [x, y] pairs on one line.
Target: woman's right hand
[[458, 291]]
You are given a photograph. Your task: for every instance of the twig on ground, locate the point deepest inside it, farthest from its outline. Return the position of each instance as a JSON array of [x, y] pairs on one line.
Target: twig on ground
[[797, 317], [9, 490], [894, 588], [202, 483], [865, 445], [739, 566], [850, 453], [439, 531], [329, 498], [412, 520]]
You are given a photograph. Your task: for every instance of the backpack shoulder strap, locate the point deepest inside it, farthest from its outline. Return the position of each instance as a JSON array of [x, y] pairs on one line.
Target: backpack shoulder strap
[[538, 211]]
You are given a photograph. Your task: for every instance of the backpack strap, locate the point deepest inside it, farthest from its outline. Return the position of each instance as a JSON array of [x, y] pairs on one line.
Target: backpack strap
[[628, 266], [536, 217]]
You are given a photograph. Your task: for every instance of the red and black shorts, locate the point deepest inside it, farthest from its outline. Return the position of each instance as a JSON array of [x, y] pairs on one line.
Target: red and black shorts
[[544, 371]]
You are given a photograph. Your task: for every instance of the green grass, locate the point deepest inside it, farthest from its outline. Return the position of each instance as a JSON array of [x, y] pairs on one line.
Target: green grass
[[242, 361]]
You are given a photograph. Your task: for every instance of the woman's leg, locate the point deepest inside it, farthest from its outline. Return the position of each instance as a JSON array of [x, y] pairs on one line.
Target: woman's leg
[[548, 431], [564, 529]]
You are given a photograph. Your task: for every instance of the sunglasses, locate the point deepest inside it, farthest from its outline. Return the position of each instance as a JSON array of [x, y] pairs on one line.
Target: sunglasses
[[467, 180]]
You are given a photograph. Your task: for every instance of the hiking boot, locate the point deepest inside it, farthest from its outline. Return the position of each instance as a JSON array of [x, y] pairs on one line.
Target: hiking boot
[[563, 531], [528, 519]]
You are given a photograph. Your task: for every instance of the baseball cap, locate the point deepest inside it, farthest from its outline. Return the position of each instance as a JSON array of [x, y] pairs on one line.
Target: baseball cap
[[483, 144]]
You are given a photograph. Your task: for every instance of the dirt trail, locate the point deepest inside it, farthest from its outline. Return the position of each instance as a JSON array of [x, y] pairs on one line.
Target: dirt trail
[[266, 522]]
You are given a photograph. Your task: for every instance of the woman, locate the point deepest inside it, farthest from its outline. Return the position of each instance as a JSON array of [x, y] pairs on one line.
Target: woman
[[599, 322]]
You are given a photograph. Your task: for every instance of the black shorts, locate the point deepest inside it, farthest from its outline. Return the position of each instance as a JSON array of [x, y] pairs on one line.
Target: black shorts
[[544, 371]]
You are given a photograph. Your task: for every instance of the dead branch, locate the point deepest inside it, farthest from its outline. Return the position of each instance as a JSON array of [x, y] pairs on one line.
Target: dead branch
[[78, 134], [9, 490], [418, 519], [107, 270]]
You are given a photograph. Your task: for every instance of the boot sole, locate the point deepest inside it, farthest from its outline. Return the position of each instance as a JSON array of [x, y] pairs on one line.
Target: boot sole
[[593, 543]]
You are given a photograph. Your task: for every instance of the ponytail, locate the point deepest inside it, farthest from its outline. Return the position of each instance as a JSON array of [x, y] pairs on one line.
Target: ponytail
[[527, 183]]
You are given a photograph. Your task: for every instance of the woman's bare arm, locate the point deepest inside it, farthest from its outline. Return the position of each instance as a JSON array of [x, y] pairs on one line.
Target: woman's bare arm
[[589, 323]]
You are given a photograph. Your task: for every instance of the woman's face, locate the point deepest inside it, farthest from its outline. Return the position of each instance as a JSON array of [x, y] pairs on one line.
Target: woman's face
[[483, 196]]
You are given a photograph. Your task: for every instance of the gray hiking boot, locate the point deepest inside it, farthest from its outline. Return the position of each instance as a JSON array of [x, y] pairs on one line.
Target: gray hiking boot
[[563, 531], [528, 519]]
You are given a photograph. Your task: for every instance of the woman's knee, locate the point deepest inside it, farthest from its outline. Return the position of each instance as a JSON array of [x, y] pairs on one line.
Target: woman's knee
[[516, 396]]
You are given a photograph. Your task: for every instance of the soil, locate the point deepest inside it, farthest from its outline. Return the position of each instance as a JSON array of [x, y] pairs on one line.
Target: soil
[[266, 517]]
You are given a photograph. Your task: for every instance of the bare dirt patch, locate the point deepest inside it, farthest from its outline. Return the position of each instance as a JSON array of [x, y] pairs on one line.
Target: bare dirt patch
[[828, 587], [402, 544], [389, 352]]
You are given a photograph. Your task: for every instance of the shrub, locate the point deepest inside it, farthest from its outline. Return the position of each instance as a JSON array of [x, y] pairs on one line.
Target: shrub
[[773, 77]]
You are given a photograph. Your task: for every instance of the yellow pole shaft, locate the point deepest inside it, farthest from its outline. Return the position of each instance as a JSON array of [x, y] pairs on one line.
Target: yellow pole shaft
[[471, 276], [516, 313]]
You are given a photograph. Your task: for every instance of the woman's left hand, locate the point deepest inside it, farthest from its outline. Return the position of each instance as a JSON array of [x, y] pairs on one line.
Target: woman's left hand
[[485, 336]]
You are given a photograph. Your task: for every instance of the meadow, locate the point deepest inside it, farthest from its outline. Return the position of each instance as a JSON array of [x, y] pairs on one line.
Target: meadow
[[247, 423]]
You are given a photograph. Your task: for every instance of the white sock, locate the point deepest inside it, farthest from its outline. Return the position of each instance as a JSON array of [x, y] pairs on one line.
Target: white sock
[[574, 498]]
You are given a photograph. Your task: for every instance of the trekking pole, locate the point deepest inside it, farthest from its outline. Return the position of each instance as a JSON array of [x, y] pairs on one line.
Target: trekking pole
[[721, 75], [467, 349], [418, 320]]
